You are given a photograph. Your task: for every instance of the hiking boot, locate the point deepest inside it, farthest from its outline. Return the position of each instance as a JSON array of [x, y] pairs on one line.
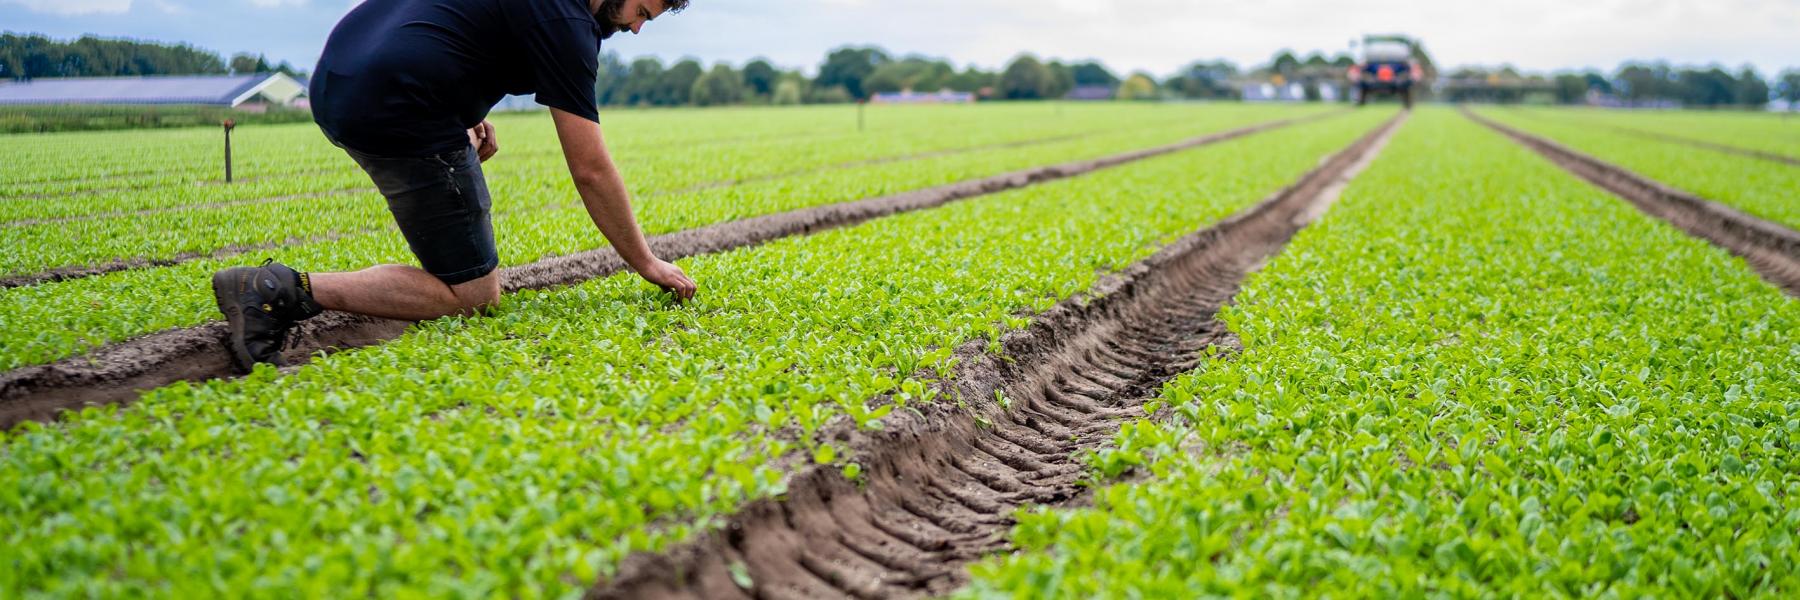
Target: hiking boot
[[262, 303]]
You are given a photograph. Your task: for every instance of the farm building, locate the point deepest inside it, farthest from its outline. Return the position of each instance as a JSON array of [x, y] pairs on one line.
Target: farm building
[[911, 97], [236, 91]]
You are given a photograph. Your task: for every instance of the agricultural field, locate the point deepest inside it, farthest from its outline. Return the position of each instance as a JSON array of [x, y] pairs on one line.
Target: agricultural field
[[1026, 350]]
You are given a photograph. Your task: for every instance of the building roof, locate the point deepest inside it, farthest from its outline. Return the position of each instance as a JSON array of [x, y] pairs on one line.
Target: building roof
[[224, 90]]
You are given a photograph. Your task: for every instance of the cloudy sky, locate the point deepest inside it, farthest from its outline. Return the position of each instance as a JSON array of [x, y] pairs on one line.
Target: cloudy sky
[[1153, 35]]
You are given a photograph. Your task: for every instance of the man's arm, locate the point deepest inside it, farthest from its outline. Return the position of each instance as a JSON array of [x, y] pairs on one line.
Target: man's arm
[[603, 191]]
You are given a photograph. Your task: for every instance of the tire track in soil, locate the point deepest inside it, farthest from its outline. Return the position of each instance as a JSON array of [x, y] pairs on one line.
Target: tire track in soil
[[116, 373], [939, 485], [1769, 248], [127, 264]]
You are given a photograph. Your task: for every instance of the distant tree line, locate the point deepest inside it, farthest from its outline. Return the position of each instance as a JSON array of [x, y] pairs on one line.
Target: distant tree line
[[1633, 84], [24, 57], [852, 74]]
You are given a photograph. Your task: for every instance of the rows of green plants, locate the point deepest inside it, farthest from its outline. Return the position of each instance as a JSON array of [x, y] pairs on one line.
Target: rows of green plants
[[1477, 376], [718, 153], [313, 206], [524, 453], [536, 218], [1759, 187], [1777, 133], [55, 164]]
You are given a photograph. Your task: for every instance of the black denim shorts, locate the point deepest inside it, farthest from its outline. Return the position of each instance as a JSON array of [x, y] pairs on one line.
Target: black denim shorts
[[442, 206]]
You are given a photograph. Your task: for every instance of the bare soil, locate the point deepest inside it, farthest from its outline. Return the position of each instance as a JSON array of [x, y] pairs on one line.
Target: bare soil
[[118, 372], [1771, 249], [939, 485]]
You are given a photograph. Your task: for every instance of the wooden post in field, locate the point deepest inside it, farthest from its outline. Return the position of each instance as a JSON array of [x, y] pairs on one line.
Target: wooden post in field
[[228, 125]]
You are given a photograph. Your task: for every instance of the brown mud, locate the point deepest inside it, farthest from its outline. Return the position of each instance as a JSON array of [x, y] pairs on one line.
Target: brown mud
[[939, 486], [1771, 249], [116, 373]]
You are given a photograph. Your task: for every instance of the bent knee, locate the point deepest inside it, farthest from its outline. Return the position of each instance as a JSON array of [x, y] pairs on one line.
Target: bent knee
[[476, 297]]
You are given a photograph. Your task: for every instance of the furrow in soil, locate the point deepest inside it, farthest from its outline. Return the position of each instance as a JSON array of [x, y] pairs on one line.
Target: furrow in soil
[[118, 372], [1771, 249], [939, 486]]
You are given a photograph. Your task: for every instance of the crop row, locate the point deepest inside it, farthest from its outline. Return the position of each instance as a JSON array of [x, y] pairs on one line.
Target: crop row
[[1759, 187], [704, 157], [131, 303], [1477, 376], [299, 215], [524, 453]]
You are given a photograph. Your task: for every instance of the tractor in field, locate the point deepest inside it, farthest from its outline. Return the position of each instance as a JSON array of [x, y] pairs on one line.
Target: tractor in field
[[1387, 67]]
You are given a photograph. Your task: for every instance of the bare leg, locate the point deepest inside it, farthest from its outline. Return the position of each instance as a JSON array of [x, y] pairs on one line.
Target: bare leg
[[403, 292]]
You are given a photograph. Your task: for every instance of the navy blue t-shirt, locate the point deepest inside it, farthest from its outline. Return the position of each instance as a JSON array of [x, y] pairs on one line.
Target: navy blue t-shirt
[[409, 77]]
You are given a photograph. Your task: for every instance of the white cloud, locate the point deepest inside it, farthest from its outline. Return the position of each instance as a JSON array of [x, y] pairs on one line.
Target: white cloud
[[74, 7]]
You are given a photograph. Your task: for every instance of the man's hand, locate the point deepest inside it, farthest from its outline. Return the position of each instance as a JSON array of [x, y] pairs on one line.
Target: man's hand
[[482, 138], [669, 277], [609, 205]]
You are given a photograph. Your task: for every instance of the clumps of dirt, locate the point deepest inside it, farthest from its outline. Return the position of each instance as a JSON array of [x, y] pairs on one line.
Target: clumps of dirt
[[1771, 249], [116, 373], [939, 486]]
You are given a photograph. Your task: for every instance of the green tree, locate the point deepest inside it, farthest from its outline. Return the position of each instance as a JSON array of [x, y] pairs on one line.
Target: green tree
[[760, 77], [718, 87], [244, 63], [972, 80], [912, 73], [1027, 79], [1138, 87], [847, 67], [1062, 80], [34, 56], [1093, 73], [640, 86], [831, 95], [1204, 80], [789, 91], [676, 85], [610, 80], [1790, 85], [1751, 89]]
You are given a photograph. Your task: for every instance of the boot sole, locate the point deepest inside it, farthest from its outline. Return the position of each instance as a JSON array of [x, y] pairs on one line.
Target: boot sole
[[224, 284]]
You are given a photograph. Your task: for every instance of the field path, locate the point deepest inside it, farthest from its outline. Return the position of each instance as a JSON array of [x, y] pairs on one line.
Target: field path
[[938, 486]]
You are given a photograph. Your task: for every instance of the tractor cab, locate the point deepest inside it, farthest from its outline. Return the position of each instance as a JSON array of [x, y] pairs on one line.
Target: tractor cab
[[1387, 67]]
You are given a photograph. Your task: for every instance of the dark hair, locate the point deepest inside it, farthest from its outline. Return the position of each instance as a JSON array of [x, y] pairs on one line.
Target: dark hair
[[674, 5]]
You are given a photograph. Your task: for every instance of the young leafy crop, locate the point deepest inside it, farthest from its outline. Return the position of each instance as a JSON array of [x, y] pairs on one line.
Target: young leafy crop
[[1762, 132], [524, 453], [543, 220], [1476, 377], [1759, 187], [294, 210]]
